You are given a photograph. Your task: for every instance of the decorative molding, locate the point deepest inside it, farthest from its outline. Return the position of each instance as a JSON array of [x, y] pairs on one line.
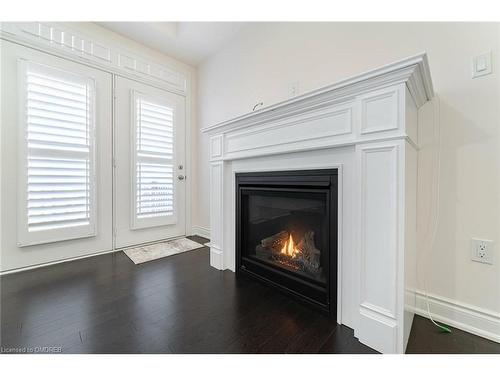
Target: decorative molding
[[379, 215], [61, 40], [216, 147], [380, 111], [317, 125], [413, 71], [469, 318], [377, 331], [216, 212], [420, 83], [201, 231]]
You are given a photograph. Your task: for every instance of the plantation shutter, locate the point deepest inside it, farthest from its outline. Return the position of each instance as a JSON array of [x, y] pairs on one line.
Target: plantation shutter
[[58, 144], [154, 163]]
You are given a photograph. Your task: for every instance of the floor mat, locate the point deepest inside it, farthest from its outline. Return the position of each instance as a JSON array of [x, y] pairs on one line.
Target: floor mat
[[142, 254]]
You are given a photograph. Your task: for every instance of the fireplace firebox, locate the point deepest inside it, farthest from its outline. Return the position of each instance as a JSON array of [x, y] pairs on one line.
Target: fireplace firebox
[[286, 232]]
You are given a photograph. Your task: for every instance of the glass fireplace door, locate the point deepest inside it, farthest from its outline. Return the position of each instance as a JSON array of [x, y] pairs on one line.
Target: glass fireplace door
[[286, 232], [287, 229]]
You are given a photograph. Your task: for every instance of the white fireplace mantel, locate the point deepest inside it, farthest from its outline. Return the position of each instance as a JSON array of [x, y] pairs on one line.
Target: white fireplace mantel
[[367, 127]]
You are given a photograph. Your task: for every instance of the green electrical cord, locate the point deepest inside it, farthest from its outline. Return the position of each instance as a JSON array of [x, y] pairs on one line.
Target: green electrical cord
[[437, 133]]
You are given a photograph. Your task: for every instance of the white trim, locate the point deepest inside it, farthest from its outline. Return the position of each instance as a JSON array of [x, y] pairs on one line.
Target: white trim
[[62, 41], [149, 243], [216, 214], [41, 265], [340, 230], [113, 161], [469, 318], [188, 194], [392, 149], [201, 231], [216, 257]]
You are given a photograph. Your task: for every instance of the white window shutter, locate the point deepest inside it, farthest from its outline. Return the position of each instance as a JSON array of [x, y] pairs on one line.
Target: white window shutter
[[57, 154], [154, 189]]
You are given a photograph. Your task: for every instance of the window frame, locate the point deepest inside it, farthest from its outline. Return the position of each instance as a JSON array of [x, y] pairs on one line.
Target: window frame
[[25, 237], [137, 223]]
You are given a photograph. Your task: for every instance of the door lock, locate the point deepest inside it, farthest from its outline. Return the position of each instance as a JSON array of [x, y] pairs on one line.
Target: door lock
[[181, 177]]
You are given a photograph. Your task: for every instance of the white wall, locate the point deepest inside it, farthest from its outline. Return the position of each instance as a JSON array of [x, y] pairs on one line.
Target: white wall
[[264, 59]]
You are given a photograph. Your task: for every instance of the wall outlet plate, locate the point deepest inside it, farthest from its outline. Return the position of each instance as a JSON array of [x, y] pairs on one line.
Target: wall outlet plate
[[482, 251], [481, 65]]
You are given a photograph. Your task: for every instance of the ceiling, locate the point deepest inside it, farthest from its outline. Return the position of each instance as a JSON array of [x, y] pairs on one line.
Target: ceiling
[[190, 42]]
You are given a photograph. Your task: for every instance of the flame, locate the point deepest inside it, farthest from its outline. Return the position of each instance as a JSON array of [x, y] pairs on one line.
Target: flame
[[289, 248]]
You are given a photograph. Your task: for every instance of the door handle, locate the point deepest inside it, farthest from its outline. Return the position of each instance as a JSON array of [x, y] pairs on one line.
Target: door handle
[[181, 177]]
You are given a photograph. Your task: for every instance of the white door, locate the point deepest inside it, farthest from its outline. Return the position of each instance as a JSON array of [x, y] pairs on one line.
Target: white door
[[149, 163]]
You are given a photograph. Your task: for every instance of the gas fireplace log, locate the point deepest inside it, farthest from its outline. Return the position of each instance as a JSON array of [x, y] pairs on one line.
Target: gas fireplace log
[[309, 254], [306, 258], [276, 241], [263, 252]]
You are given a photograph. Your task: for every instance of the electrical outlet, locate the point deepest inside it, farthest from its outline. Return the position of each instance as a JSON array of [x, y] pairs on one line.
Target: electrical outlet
[[482, 251], [481, 65]]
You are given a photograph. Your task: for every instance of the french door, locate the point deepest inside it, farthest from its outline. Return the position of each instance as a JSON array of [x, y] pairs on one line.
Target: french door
[[59, 197], [149, 144]]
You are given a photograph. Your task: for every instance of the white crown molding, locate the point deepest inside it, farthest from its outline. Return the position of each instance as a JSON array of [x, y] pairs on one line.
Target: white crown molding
[[62, 41], [413, 71]]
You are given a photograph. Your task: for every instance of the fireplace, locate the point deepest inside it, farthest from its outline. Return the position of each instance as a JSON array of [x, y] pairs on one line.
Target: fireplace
[[286, 232], [366, 127]]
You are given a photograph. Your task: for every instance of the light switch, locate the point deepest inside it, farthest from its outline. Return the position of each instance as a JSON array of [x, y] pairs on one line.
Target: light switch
[[481, 65]]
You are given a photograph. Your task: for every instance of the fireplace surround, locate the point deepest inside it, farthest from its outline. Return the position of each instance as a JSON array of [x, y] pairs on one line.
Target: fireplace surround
[[286, 233], [367, 128]]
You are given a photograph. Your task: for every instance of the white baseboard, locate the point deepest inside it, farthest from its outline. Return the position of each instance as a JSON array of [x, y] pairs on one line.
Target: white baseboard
[[201, 231], [216, 258], [472, 319], [27, 268], [40, 265]]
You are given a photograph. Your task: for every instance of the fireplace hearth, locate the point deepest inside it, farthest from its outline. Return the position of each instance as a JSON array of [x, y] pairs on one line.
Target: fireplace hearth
[[286, 233]]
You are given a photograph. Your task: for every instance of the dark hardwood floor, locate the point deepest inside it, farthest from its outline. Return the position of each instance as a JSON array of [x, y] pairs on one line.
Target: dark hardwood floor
[[178, 304], [425, 338]]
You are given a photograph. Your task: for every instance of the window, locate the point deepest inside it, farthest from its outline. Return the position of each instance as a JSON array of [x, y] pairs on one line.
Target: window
[[153, 149], [57, 155]]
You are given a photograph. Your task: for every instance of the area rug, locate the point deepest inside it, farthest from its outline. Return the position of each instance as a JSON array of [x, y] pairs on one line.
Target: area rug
[[148, 253]]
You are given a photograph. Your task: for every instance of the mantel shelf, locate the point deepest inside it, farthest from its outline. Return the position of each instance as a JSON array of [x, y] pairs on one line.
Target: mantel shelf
[[414, 71]]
